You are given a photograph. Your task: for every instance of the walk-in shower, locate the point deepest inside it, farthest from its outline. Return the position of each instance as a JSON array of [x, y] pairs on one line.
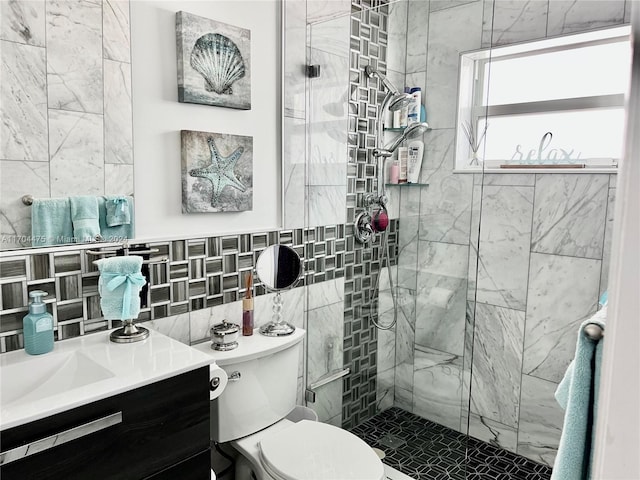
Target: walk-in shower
[[460, 351]]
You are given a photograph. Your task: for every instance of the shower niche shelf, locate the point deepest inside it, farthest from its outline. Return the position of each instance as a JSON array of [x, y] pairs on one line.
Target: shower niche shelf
[[407, 184], [399, 129]]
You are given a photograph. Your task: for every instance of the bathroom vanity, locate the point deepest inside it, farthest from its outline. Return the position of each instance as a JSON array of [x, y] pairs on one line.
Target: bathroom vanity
[[146, 415]]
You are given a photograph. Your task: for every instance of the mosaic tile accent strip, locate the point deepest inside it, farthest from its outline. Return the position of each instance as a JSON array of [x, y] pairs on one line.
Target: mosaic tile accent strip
[[368, 33], [199, 273], [429, 451]]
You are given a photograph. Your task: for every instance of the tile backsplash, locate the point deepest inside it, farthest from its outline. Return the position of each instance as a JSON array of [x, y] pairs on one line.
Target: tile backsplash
[[198, 273]]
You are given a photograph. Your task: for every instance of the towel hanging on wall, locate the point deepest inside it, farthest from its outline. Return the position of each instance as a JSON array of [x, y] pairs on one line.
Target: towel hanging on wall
[[84, 216], [51, 222], [577, 393]]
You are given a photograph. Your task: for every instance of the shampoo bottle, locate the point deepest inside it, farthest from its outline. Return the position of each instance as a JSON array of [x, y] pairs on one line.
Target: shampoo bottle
[[404, 113], [37, 326], [247, 309], [414, 106], [402, 160], [414, 162], [394, 172]]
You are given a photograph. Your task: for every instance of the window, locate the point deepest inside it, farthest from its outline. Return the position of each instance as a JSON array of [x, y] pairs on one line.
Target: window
[[552, 103]]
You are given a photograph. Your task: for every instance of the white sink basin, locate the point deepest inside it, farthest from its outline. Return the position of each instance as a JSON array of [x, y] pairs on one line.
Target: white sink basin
[[86, 369], [52, 374]]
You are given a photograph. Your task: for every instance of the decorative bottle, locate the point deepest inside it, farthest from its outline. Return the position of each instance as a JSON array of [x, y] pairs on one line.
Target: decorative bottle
[[247, 309]]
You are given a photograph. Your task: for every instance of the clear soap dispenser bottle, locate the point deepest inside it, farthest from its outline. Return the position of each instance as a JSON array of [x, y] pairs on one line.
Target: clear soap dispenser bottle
[[37, 326]]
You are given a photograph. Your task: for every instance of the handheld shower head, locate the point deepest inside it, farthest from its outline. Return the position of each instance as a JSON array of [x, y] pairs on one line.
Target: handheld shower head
[[399, 101], [411, 131]]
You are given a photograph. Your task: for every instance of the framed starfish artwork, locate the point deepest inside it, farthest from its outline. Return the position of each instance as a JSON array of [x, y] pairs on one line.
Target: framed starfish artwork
[[214, 62], [217, 172]]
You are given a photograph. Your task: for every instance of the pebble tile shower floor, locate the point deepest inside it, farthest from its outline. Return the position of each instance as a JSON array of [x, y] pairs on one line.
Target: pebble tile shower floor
[[435, 452]]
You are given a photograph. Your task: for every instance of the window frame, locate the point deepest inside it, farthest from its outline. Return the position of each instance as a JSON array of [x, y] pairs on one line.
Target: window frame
[[472, 91]]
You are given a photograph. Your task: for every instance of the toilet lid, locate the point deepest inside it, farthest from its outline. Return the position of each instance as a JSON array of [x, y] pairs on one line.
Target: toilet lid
[[316, 451]]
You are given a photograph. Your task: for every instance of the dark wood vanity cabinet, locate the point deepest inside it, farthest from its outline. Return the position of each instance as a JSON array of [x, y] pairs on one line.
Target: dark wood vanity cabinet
[[163, 433]]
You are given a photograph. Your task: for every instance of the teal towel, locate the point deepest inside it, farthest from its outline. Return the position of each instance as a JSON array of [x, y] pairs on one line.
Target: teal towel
[[117, 211], [51, 222], [119, 286], [84, 215], [578, 394], [121, 232]]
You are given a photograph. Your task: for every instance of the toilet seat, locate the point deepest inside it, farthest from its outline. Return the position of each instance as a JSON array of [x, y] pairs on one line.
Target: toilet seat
[[316, 451]]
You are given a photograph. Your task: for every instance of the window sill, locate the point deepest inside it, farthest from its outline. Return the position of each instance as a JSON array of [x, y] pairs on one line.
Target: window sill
[[511, 171]]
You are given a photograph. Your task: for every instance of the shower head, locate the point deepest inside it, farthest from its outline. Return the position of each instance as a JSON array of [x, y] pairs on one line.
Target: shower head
[[415, 130], [411, 131], [399, 101]]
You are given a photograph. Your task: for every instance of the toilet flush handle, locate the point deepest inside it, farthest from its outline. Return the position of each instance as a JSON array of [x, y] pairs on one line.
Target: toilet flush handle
[[235, 376]]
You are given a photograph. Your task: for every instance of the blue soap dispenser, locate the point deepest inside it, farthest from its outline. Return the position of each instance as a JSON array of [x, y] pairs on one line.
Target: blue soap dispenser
[[37, 326]]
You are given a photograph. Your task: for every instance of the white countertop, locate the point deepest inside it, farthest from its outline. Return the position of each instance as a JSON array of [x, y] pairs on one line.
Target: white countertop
[[94, 367]]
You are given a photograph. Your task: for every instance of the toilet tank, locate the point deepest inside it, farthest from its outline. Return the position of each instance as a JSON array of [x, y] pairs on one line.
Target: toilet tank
[[262, 387]]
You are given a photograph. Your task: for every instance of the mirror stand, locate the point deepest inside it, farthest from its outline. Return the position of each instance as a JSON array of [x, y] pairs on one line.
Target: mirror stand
[[277, 327]]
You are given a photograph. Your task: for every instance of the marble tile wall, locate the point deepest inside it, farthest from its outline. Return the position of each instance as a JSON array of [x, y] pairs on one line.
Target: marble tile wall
[[65, 104], [540, 245]]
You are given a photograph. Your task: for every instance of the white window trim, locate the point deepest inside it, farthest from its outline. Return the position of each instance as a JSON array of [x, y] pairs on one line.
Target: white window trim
[[471, 72]]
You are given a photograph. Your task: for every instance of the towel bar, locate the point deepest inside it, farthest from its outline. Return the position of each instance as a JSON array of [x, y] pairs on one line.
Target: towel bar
[[151, 261], [593, 331], [28, 199], [113, 251], [310, 394]]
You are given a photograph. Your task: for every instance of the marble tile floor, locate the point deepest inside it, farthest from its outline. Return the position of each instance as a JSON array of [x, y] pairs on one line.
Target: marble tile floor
[[435, 452]]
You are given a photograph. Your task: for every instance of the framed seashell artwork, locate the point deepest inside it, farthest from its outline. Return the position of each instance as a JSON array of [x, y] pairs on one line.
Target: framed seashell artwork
[[214, 62], [217, 172]]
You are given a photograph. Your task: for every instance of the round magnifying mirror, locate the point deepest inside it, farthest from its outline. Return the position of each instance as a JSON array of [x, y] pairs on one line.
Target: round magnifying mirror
[[278, 268]]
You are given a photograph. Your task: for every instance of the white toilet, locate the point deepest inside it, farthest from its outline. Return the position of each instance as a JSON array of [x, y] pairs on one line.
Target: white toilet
[[251, 414]]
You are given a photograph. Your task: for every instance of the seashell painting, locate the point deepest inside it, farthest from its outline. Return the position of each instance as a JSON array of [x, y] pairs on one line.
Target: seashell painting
[[219, 61], [214, 66], [217, 172]]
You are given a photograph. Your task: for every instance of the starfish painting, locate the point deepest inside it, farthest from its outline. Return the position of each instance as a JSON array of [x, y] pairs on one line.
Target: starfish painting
[[220, 173]]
